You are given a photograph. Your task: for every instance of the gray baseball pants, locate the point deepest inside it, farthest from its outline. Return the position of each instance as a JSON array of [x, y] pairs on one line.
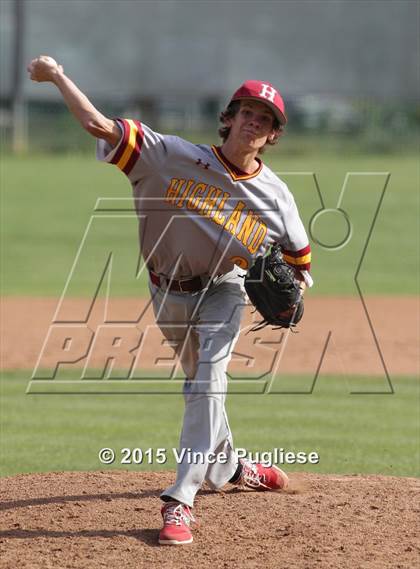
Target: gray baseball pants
[[203, 328]]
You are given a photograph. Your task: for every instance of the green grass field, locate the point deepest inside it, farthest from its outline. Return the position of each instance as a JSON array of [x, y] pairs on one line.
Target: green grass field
[[48, 201], [350, 433]]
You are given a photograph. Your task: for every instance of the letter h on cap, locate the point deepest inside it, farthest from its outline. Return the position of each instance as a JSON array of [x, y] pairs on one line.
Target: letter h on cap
[[268, 92]]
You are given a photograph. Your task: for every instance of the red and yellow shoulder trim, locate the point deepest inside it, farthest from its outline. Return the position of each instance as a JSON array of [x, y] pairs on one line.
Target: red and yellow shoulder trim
[[130, 146], [235, 175], [299, 259]]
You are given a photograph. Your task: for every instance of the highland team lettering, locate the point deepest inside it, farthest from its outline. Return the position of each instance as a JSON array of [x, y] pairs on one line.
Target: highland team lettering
[[209, 201]]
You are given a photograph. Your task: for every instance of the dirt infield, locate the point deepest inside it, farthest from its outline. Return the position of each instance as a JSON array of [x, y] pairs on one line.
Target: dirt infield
[[339, 327], [108, 519], [111, 519]]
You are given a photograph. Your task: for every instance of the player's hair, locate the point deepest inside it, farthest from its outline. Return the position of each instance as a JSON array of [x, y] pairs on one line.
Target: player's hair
[[231, 110]]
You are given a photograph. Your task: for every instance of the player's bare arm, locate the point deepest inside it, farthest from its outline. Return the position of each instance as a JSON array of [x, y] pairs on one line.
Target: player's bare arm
[[46, 69]]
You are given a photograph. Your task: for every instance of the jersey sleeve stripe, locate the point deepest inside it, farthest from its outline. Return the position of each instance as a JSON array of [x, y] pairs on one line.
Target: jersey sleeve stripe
[[299, 259], [137, 148], [123, 144], [122, 162], [305, 251]]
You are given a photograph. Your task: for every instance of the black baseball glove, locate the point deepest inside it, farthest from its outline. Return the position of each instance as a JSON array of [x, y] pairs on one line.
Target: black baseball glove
[[274, 290]]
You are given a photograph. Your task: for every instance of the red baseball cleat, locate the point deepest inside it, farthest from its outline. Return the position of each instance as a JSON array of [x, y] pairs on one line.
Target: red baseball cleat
[[260, 477], [176, 521]]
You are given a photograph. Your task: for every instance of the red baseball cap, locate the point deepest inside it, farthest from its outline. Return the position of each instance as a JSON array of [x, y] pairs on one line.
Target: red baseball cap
[[265, 93]]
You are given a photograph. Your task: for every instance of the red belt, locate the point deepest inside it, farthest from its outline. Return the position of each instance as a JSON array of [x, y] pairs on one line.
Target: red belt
[[189, 285]]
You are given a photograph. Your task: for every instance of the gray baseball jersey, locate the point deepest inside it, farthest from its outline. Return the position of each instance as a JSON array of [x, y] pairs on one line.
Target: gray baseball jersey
[[199, 214]]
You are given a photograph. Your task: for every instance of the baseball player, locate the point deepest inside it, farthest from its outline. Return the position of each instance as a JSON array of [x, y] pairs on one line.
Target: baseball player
[[206, 212]]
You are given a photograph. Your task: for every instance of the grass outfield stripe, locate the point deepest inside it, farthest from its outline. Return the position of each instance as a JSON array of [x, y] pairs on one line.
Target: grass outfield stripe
[[352, 434], [39, 249]]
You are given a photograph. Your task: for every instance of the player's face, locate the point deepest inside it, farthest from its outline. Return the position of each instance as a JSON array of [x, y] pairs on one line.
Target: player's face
[[252, 125]]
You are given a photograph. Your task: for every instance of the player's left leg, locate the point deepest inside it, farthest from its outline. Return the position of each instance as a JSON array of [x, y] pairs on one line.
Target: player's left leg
[[205, 426]]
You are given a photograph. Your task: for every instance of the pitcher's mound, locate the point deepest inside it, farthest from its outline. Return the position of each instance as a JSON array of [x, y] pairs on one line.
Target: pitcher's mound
[[111, 519]]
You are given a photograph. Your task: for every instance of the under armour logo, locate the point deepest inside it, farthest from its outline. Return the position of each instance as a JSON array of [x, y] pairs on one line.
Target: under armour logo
[[268, 92], [199, 162]]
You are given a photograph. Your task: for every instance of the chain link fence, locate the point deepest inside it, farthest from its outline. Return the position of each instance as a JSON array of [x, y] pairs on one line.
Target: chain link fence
[[361, 125]]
